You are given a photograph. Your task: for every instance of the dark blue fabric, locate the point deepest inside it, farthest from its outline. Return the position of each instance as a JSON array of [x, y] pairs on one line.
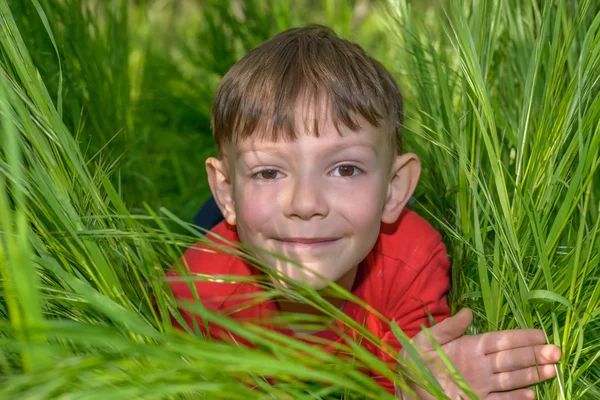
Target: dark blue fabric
[[209, 215]]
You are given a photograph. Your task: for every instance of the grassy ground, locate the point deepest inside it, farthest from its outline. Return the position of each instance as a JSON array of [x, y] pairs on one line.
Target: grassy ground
[[105, 127]]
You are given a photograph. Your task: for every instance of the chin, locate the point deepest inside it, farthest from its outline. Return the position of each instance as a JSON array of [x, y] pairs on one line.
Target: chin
[[318, 284], [311, 281]]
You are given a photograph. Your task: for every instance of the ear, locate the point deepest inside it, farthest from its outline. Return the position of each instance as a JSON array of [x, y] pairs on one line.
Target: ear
[[221, 187], [404, 177]]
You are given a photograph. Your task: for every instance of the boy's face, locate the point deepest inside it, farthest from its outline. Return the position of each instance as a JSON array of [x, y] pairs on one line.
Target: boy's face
[[319, 201]]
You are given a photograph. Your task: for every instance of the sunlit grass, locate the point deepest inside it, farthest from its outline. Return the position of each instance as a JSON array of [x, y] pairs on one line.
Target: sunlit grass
[[507, 117]]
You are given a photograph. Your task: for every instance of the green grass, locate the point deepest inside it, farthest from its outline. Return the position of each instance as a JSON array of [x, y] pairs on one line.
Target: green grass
[[104, 127], [506, 119]]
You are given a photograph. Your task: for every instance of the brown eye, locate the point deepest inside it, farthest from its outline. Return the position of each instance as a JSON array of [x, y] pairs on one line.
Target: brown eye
[[346, 170], [268, 174]]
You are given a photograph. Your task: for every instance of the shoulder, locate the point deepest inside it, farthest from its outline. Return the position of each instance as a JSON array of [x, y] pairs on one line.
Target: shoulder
[[205, 261], [212, 256], [411, 240], [407, 268]]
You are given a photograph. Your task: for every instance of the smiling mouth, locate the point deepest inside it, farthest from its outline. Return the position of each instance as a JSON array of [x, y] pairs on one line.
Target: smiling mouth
[[308, 242]]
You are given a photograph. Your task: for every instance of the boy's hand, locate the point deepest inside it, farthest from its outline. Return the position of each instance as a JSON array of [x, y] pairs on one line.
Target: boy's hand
[[496, 365]]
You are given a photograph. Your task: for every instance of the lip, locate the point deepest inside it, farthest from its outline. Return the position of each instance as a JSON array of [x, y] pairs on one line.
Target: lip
[[308, 243]]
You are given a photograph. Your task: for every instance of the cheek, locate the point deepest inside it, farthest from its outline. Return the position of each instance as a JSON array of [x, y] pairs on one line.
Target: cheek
[[363, 204], [254, 207]]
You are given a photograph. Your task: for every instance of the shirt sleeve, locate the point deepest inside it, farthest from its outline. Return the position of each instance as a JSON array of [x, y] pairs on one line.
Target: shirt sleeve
[[426, 294]]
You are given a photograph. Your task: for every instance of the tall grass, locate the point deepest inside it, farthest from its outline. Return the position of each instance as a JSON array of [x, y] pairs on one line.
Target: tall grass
[[104, 107], [506, 117]]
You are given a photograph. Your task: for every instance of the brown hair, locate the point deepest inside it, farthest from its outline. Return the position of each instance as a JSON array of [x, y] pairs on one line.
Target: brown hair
[[258, 94]]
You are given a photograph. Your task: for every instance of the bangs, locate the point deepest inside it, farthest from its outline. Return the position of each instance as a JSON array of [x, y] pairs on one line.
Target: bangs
[[307, 70]]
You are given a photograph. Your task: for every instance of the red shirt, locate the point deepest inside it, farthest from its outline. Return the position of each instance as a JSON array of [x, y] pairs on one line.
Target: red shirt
[[405, 275]]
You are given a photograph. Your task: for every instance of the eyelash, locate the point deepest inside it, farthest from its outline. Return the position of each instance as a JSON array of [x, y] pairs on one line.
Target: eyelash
[[356, 170]]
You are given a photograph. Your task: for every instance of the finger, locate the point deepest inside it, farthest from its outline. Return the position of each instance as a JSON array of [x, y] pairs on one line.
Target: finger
[[447, 330], [521, 394], [524, 357], [523, 377], [506, 340]]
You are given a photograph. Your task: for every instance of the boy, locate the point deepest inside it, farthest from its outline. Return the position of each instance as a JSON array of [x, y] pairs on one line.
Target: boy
[[308, 130]]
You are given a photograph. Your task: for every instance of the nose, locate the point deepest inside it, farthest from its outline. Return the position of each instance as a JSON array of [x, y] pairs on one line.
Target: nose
[[307, 200]]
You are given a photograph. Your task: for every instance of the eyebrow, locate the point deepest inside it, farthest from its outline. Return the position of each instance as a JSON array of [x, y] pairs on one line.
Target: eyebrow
[[331, 149]]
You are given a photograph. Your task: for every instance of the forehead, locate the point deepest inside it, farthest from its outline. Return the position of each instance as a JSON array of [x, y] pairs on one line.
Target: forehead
[[313, 118], [330, 139]]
